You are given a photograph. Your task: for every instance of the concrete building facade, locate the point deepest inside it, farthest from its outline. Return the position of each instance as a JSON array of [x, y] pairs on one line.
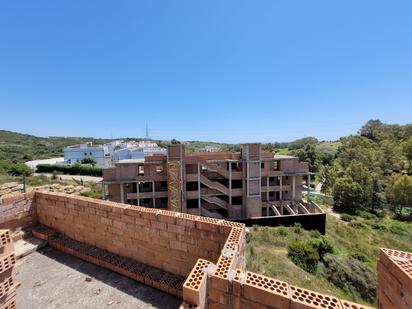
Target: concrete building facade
[[100, 153], [224, 185]]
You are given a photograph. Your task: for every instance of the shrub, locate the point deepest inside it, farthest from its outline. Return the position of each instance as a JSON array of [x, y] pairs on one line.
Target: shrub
[[315, 234], [351, 275], [297, 228], [303, 255], [379, 226], [365, 214], [282, 231], [75, 169], [358, 225], [20, 169], [360, 257], [322, 245], [88, 160], [346, 217]]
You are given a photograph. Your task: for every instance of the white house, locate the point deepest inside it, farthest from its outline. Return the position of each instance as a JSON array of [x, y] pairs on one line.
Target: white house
[[99, 153]]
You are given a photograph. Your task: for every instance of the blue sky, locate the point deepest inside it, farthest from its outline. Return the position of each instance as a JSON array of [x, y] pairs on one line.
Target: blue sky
[[231, 71]]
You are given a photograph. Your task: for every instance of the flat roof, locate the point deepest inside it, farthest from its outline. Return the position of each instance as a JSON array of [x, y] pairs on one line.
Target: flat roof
[[53, 279], [284, 157], [130, 161]]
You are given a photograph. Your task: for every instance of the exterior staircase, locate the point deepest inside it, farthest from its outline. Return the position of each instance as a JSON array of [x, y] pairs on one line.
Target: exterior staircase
[[217, 201]]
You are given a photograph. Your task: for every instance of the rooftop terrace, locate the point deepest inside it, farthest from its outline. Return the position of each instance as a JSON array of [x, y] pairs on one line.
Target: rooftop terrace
[[195, 259]]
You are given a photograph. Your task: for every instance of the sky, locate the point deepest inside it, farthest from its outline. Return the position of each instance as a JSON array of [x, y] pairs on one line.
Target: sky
[[226, 71]]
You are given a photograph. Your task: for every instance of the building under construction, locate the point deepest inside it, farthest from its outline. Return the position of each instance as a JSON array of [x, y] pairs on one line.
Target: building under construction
[[228, 185]]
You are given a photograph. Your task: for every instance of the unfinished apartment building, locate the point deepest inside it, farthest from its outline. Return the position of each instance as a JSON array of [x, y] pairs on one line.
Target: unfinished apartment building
[[224, 185]]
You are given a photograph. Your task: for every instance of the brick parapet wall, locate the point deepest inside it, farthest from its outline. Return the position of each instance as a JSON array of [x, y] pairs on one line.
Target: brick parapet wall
[[8, 284], [394, 279], [18, 211], [210, 252], [164, 239]]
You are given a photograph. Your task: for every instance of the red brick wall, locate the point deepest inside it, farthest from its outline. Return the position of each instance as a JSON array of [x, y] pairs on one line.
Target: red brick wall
[[18, 211], [167, 240]]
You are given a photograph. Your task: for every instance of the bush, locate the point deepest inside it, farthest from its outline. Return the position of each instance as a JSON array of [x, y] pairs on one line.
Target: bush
[[88, 160], [297, 228], [351, 275], [365, 214], [303, 255], [322, 245], [315, 234], [346, 217], [380, 226], [75, 169], [360, 257], [20, 169], [282, 231], [358, 225]]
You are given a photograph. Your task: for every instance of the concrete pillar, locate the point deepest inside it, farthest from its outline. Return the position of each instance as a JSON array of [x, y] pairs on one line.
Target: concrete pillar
[[281, 190], [137, 194], [199, 200], [103, 191], [230, 183], [153, 195], [293, 187], [121, 193], [308, 186]]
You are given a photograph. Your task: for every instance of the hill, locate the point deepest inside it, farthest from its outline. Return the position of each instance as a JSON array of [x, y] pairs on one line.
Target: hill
[[17, 147]]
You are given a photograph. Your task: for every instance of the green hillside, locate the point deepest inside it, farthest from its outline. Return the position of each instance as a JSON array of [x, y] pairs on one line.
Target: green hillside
[[18, 148]]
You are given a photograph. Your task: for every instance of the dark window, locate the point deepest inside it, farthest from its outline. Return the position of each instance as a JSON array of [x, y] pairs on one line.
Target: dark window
[[192, 204], [262, 165]]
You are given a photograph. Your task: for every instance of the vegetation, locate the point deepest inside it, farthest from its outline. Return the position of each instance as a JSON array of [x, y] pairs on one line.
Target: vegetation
[[20, 169], [345, 257], [75, 169], [88, 160], [19, 148]]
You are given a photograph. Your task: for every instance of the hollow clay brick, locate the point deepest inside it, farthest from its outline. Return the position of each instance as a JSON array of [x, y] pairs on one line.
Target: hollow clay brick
[[349, 305], [305, 299], [267, 291], [7, 262], [194, 288], [4, 238]]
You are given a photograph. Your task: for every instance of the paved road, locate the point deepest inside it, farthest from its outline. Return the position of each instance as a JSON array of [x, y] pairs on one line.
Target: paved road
[[34, 163], [71, 177]]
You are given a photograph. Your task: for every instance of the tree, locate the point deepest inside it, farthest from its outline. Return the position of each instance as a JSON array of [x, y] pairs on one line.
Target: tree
[[174, 141], [310, 155], [20, 169], [328, 177], [89, 160], [347, 195], [377, 193], [390, 156], [357, 148], [407, 151], [371, 129], [302, 142], [402, 193]]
